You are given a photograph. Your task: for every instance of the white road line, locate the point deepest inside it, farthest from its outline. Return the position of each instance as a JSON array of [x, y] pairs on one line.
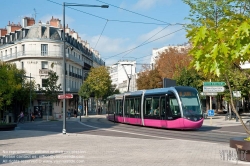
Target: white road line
[[143, 134], [219, 131]]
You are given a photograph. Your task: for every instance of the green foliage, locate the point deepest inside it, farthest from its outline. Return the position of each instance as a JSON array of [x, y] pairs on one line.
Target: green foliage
[[51, 88], [9, 83], [84, 91], [190, 77], [99, 81]]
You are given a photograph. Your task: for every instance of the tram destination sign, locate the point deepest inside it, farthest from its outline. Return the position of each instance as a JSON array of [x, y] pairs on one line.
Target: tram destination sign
[[214, 83], [213, 89]]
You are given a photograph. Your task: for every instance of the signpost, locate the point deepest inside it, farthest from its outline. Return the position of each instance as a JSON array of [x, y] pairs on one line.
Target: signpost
[[236, 93], [66, 96], [214, 83], [210, 89], [209, 93], [213, 89], [210, 113]]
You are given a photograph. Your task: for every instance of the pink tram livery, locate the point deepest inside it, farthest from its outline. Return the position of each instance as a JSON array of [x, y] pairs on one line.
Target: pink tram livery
[[174, 108]]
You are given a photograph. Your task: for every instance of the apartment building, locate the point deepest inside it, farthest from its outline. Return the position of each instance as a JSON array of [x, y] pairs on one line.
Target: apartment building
[[38, 48], [122, 75]]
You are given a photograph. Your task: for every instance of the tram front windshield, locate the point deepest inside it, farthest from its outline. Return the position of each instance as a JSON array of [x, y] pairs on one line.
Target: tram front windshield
[[190, 102]]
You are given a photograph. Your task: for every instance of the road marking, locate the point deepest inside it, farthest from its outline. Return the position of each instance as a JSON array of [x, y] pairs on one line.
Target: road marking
[[166, 138], [221, 131]]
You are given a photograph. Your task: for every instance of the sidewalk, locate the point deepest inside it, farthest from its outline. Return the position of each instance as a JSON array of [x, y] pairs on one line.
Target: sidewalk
[[220, 121]]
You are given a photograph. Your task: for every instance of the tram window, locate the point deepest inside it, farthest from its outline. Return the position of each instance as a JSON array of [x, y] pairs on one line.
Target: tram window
[[174, 106], [152, 108], [119, 108], [137, 107], [127, 107], [132, 110]]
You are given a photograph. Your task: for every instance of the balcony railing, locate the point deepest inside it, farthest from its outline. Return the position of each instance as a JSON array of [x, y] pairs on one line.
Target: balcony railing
[[31, 54]]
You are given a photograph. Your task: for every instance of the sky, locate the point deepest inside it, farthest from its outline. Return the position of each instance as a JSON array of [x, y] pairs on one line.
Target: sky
[[127, 30]]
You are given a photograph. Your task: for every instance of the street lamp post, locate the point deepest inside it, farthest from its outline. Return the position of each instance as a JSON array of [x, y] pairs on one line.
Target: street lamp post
[[64, 65], [29, 111]]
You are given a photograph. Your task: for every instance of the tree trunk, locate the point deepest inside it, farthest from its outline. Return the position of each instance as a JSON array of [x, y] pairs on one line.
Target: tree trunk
[[234, 110]]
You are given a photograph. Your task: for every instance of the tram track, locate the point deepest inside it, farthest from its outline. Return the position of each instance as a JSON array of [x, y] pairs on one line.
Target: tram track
[[195, 135]]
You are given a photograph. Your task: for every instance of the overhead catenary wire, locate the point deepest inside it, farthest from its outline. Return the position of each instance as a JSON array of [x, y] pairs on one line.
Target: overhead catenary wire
[[132, 12], [111, 20], [144, 44], [148, 39], [101, 34]]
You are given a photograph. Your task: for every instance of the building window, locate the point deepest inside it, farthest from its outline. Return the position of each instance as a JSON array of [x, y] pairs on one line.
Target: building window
[[22, 66], [10, 51], [44, 82], [44, 65], [5, 52], [23, 49], [44, 49]]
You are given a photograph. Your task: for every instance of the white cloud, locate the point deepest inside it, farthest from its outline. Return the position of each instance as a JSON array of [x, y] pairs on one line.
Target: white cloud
[[147, 4], [160, 34]]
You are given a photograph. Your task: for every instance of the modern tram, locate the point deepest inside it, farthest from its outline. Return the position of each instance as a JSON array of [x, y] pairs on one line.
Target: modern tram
[[174, 108]]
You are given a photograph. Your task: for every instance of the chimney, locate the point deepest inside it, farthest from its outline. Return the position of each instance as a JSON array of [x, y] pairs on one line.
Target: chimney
[[55, 22], [48, 29], [3, 32], [13, 27], [30, 21]]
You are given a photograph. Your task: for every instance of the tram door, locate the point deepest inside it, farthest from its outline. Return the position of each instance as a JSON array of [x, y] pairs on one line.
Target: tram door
[[163, 111], [172, 111]]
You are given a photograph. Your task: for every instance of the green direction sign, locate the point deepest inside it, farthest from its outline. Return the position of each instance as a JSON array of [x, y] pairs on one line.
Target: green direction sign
[[214, 83]]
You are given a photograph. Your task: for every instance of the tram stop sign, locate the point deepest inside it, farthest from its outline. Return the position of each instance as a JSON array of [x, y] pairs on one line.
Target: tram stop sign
[[210, 113]]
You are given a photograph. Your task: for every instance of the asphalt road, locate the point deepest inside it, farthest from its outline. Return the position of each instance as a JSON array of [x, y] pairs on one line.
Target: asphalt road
[[100, 126]]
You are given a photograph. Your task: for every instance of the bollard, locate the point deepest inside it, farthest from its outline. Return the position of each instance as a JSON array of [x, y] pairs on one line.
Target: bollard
[[236, 118]]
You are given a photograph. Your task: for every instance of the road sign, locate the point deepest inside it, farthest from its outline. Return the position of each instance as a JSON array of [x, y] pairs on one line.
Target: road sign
[[209, 93], [213, 89], [214, 83], [66, 96], [80, 107], [236, 93], [210, 113]]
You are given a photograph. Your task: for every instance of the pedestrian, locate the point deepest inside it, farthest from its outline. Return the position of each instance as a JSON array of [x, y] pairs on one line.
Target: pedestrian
[[75, 113], [32, 117], [98, 110], [68, 113]]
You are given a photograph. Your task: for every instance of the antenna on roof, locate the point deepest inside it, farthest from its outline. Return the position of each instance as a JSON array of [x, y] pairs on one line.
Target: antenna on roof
[[35, 14]]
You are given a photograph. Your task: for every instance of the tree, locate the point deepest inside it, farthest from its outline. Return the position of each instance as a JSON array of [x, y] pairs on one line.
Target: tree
[[190, 77], [51, 88], [99, 82], [219, 46], [149, 79], [85, 93], [171, 61]]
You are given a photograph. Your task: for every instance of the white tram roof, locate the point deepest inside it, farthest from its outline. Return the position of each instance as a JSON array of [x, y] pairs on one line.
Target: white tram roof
[[148, 92]]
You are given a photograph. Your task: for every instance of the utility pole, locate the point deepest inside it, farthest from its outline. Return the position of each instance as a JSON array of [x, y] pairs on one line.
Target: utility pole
[[29, 110], [129, 77]]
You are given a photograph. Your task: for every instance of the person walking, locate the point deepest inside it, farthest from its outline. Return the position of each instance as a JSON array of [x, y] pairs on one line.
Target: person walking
[[32, 117], [68, 113], [75, 113]]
